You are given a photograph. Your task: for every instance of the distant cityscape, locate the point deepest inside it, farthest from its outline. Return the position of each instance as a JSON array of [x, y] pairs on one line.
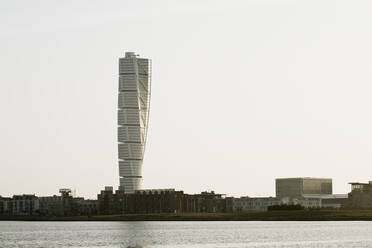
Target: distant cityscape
[[130, 198], [307, 193]]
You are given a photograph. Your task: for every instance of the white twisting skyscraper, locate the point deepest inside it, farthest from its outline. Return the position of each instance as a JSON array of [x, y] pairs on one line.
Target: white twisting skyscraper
[[133, 115]]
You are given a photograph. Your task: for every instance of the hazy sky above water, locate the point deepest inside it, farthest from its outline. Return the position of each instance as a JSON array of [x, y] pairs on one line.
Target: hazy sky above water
[[243, 92]]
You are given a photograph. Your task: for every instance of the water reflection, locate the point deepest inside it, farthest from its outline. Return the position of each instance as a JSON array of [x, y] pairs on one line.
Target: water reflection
[[186, 234], [135, 234]]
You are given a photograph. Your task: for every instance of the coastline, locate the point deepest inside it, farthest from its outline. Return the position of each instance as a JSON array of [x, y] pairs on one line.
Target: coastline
[[299, 215]]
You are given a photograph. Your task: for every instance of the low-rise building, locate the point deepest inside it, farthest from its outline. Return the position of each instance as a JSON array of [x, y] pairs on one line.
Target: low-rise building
[[160, 201], [210, 202], [360, 196], [4, 205], [328, 201], [246, 204], [57, 205], [309, 192], [155, 201], [106, 201], [307, 203], [80, 206], [23, 205], [66, 205], [51, 205]]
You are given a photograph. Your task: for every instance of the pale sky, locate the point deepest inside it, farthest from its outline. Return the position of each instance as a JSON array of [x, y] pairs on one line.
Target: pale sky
[[243, 92]]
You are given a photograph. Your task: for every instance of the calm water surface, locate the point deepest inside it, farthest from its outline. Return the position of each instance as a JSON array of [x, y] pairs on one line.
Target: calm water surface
[[185, 234]]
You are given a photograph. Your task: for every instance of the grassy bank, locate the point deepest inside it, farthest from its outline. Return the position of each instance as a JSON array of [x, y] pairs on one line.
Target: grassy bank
[[301, 215]]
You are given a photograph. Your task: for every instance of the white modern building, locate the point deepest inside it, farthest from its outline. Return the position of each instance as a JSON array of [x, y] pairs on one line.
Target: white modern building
[[133, 115], [246, 204]]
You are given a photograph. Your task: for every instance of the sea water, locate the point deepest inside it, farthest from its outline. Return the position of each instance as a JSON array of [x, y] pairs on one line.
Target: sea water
[[177, 234]]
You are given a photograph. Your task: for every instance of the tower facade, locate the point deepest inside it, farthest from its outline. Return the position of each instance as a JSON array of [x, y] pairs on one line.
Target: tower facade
[[133, 116]]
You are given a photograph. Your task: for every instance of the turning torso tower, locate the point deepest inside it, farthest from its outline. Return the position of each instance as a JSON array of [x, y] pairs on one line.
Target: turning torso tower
[[133, 115]]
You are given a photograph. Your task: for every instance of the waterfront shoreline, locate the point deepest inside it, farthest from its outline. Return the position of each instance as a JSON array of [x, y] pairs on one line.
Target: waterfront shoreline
[[301, 215]]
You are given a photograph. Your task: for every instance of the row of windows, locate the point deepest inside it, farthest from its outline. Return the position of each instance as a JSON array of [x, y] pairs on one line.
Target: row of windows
[[128, 99], [130, 171], [128, 116], [129, 134], [128, 151]]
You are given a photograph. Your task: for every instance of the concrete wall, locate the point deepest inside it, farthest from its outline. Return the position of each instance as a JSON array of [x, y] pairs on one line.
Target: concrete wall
[[288, 187], [297, 187], [317, 186]]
